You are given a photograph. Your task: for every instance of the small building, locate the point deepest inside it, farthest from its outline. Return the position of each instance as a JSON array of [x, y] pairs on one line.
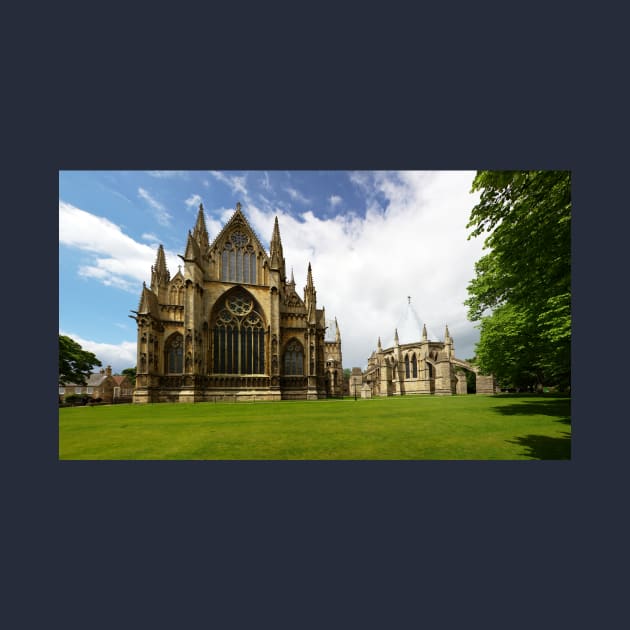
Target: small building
[[123, 389], [99, 385], [356, 382]]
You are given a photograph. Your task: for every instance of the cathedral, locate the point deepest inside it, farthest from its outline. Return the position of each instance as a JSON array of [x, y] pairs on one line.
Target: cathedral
[[232, 326]]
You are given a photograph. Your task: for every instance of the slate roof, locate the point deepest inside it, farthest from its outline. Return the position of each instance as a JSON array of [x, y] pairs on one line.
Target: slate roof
[[95, 380]]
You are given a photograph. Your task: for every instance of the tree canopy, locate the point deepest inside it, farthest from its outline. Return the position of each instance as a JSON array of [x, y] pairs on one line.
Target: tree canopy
[[130, 372], [521, 294], [75, 363]]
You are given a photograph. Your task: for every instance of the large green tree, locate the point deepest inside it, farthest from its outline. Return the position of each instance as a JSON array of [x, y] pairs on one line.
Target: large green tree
[[521, 294], [75, 363]]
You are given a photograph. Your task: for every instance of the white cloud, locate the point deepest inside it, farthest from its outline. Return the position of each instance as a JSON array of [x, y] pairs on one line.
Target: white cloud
[[162, 215], [334, 200], [149, 236], [119, 356], [264, 182], [193, 201], [365, 267], [115, 259], [412, 241], [296, 195], [235, 182]]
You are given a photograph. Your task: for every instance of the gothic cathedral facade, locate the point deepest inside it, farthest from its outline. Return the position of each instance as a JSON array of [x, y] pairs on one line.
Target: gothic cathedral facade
[[231, 326]]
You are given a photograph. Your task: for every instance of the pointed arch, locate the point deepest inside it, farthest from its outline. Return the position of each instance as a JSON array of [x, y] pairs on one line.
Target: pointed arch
[[294, 358], [238, 334], [414, 366], [174, 354], [406, 366]]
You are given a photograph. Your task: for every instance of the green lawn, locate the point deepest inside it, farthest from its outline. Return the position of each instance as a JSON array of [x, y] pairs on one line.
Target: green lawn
[[438, 428]]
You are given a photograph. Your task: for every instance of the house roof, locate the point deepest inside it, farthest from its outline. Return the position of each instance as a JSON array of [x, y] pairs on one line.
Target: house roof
[[95, 380]]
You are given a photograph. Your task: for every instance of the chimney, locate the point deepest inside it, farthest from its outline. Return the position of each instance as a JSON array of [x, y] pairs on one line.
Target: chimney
[[108, 370]]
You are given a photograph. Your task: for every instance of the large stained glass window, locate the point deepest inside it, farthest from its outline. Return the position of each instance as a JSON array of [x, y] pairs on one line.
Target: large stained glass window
[[238, 337]]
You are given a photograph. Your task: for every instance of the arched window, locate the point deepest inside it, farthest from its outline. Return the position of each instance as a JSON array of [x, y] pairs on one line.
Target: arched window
[[406, 366], [238, 336], [176, 292], [294, 359], [414, 367], [175, 354], [238, 259], [430, 370]]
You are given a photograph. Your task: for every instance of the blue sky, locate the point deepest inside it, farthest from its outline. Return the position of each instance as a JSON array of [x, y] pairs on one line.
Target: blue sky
[[373, 239]]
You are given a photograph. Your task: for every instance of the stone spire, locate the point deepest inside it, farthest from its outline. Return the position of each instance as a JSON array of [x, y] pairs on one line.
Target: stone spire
[[192, 249], [396, 336], [337, 332], [292, 278], [378, 345], [275, 249], [160, 275], [448, 343], [310, 295], [200, 233], [424, 332]]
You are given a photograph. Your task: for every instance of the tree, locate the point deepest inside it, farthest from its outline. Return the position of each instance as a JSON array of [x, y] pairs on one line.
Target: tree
[[521, 294], [75, 364], [130, 373]]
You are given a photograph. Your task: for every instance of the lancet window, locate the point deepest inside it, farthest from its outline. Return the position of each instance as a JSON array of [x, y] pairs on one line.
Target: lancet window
[[175, 354], [238, 259], [176, 292], [414, 367], [294, 359]]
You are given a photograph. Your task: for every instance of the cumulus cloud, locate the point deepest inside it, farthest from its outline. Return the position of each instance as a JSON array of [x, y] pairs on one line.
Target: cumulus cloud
[[193, 201], [410, 239], [364, 267], [162, 215], [119, 356], [115, 259], [334, 200]]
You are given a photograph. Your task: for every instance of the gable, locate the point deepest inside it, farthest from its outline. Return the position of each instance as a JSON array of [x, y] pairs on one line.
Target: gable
[[238, 225]]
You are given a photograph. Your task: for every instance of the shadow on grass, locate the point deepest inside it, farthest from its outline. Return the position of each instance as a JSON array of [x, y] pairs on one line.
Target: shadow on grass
[[558, 408], [542, 446], [545, 447]]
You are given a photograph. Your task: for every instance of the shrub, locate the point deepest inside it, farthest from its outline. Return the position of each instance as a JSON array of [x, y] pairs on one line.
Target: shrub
[[78, 398]]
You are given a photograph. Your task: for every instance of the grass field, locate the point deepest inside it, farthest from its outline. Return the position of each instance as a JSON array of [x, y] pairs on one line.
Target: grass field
[[435, 428]]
